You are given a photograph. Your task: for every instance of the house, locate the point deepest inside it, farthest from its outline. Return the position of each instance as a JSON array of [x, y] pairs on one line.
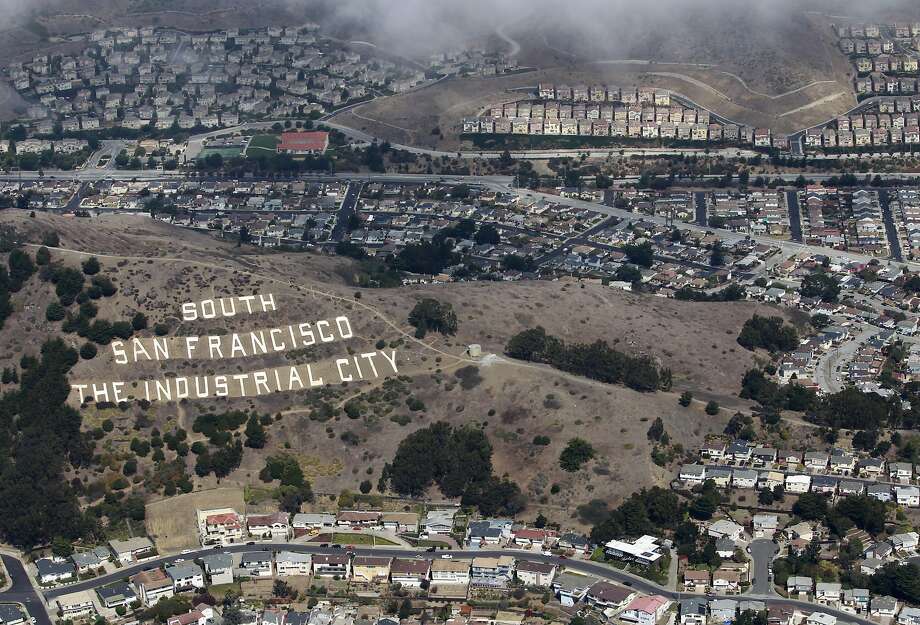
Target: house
[[193, 617], [856, 599], [645, 610], [370, 569], [76, 604], [850, 487], [692, 474], [726, 581], [764, 525], [714, 450], [151, 585], [725, 547], [820, 618], [883, 607], [85, 561], [570, 588], [720, 477], [273, 526], [223, 526], [10, 614], [824, 484], [574, 542], [357, 518], [900, 471], [304, 523], [529, 538], [763, 456], [802, 530], [218, 567], [828, 593], [723, 528], [449, 571], [696, 581], [409, 572], [53, 571], [132, 549], [535, 573], [492, 572], [739, 451], [400, 522], [291, 563], [816, 461], [904, 542], [798, 585], [604, 596], [907, 496], [117, 594], [693, 611], [909, 616], [439, 521], [257, 563], [744, 478], [185, 576], [479, 533], [644, 550], [722, 611], [882, 492], [798, 484]]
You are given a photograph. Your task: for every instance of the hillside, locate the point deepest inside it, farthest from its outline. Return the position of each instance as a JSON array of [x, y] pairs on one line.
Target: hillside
[[156, 268]]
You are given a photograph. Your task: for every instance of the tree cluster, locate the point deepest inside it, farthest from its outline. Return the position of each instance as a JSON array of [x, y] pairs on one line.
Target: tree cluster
[[431, 315], [597, 360], [769, 333]]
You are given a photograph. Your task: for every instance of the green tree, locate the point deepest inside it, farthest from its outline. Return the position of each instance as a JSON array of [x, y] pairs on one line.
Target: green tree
[[576, 453], [91, 266]]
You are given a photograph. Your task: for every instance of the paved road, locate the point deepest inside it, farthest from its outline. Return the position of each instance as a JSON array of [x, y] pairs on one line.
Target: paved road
[[346, 210], [826, 373], [699, 199], [891, 230], [763, 551], [587, 567], [795, 215], [22, 591]]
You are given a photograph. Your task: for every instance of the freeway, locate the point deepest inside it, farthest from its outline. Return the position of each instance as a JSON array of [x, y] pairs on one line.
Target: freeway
[[582, 566]]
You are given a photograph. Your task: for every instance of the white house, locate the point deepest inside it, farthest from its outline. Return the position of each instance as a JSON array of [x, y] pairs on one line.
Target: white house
[[288, 563], [798, 483], [907, 496], [645, 610], [723, 528], [185, 576]]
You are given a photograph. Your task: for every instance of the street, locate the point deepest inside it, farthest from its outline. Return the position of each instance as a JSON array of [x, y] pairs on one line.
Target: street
[[582, 566], [763, 550]]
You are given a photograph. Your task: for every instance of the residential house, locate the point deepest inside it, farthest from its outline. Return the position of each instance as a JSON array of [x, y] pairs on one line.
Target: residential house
[[820, 618], [222, 526], [692, 474], [909, 615], [570, 588], [117, 594], [764, 525], [132, 549], [331, 565], [257, 563], [410, 572], [607, 596], [274, 526], [828, 593], [450, 571], [907, 496], [304, 524], [799, 586], [645, 550], [883, 607], [292, 563], [53, 571], [574, 542], [744, 478], [357, 518], [492, 572], [370, 569], [151, 585], [726, 581], [798, 484], [645, 610], [439, 521], [882, 492], [723, 528], [76, 604], [535, 573], [400, 522], [722, 611], [855, 600], [185, 576], [219, 568], [904, 543], [696, 581], [693, 611], [900, 471]]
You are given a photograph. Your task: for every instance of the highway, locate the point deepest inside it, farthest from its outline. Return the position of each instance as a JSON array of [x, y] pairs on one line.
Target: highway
[[582, 566]]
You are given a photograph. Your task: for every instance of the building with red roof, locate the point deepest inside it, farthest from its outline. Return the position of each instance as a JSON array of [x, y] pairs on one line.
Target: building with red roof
[[302, 143]]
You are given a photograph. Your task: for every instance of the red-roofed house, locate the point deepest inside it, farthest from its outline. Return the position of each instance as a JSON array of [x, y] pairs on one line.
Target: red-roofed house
[[530, 538], [220, 527], [645, 610], [189, 618], [314, 142]]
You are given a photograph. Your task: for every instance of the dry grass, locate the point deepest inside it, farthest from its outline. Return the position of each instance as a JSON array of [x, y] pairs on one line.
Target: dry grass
[[171, 522]]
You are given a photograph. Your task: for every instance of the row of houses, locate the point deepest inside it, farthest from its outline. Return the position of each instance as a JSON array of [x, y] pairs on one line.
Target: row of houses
[[55, 570], [861, 137], [619, 112], [683, 131], [604, 93]]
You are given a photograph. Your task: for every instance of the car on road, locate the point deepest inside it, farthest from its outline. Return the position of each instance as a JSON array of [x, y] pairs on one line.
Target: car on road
[[336, 546], [446, 556], [430, 550]]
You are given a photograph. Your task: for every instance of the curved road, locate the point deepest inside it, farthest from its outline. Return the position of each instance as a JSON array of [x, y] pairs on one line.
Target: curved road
[[581, 566]]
